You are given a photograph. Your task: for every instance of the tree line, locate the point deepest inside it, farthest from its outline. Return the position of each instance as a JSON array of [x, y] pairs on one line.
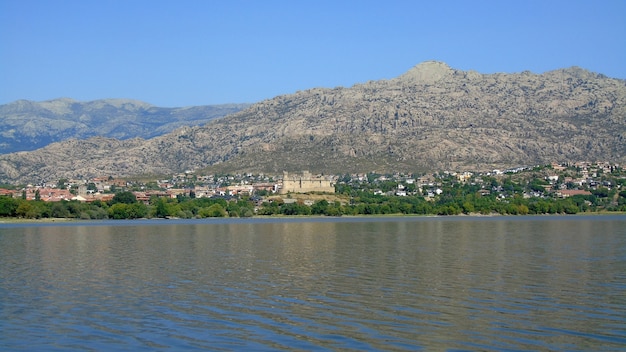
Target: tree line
[[456, 200], [124, 205]]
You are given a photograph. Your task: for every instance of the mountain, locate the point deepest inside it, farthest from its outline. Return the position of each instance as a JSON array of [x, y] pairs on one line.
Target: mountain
[[431, 118], [28, 125]]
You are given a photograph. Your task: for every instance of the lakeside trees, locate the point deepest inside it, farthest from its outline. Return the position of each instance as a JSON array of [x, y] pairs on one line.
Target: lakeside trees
[[460, 201], [513, 194]]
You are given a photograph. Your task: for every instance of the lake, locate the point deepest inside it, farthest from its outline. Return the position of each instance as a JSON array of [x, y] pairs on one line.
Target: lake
[[405, 283]]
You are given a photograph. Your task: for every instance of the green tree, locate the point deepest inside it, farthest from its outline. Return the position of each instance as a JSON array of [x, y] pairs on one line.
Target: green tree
[[125, 197], [232, 209], [246, 213], [59, 210], [32, 210], [262, 193], [8, 206], [320, 207], [601, 192], [385, 209], [137, 210], [213, 211], [119, 211], [127, 211], [537, 185], [269, 208], [161, 209], [468, 207], [24, 209], [97, 213], [295, 209]]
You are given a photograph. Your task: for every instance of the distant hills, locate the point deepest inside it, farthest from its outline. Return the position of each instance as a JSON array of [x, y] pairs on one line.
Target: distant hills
[[28, 125], [431, 118]]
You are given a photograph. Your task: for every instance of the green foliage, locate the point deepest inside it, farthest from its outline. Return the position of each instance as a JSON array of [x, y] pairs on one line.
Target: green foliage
[[270, 208], [152, 186], [262, 193], [601, 192], [119, 211], [295, 209], [213, 211], [468, 207], [240, 208], [125, 197], [320, 207], [537, 185], [161, 208], [32, 210], [128, 211], [8, 206], [60, 210]]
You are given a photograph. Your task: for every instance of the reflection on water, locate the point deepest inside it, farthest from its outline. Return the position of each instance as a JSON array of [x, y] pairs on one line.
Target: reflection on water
[[551, 283]]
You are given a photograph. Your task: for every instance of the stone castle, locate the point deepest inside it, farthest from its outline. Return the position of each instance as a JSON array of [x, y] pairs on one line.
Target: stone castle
[[305, 182]]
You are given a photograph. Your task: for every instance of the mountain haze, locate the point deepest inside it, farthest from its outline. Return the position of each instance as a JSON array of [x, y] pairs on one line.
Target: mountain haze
[[431, 118], [28, 125]]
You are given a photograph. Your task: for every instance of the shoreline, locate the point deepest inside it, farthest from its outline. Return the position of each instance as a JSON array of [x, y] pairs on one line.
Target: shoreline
[[282, 217]]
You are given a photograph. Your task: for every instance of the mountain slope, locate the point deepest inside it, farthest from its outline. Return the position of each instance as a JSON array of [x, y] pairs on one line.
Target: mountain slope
[[27, 125], [431, 118]]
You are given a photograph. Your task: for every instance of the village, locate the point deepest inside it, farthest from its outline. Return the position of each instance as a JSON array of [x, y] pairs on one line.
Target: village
[[560, 180]]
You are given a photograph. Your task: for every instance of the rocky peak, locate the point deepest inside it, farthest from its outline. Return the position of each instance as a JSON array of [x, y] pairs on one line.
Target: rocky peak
[[427, 72]]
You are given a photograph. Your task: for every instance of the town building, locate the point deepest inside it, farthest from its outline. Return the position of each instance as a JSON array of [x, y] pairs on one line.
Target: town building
[[304, 183]]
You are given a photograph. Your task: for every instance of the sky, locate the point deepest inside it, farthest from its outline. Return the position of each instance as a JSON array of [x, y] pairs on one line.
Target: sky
[[203, 52]]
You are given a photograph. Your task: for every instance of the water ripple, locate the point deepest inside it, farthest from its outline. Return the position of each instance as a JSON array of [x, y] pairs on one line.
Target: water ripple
[[382, 285]]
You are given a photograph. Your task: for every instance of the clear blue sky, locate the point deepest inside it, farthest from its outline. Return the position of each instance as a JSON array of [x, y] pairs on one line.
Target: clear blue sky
[[181, 53]]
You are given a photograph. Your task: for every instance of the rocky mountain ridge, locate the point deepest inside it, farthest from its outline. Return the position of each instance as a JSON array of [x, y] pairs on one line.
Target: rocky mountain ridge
[[27, 125], [431, 118]]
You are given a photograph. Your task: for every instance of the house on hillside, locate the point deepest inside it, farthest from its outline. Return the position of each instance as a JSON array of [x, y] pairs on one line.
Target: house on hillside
[[564, 193], [7, 192]]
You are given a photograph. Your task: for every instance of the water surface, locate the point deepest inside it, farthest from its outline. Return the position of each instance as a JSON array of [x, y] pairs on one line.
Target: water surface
[[458, 283]]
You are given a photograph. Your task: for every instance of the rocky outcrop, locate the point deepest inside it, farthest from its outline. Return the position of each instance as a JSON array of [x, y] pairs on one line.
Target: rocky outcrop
[[431, 118]]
